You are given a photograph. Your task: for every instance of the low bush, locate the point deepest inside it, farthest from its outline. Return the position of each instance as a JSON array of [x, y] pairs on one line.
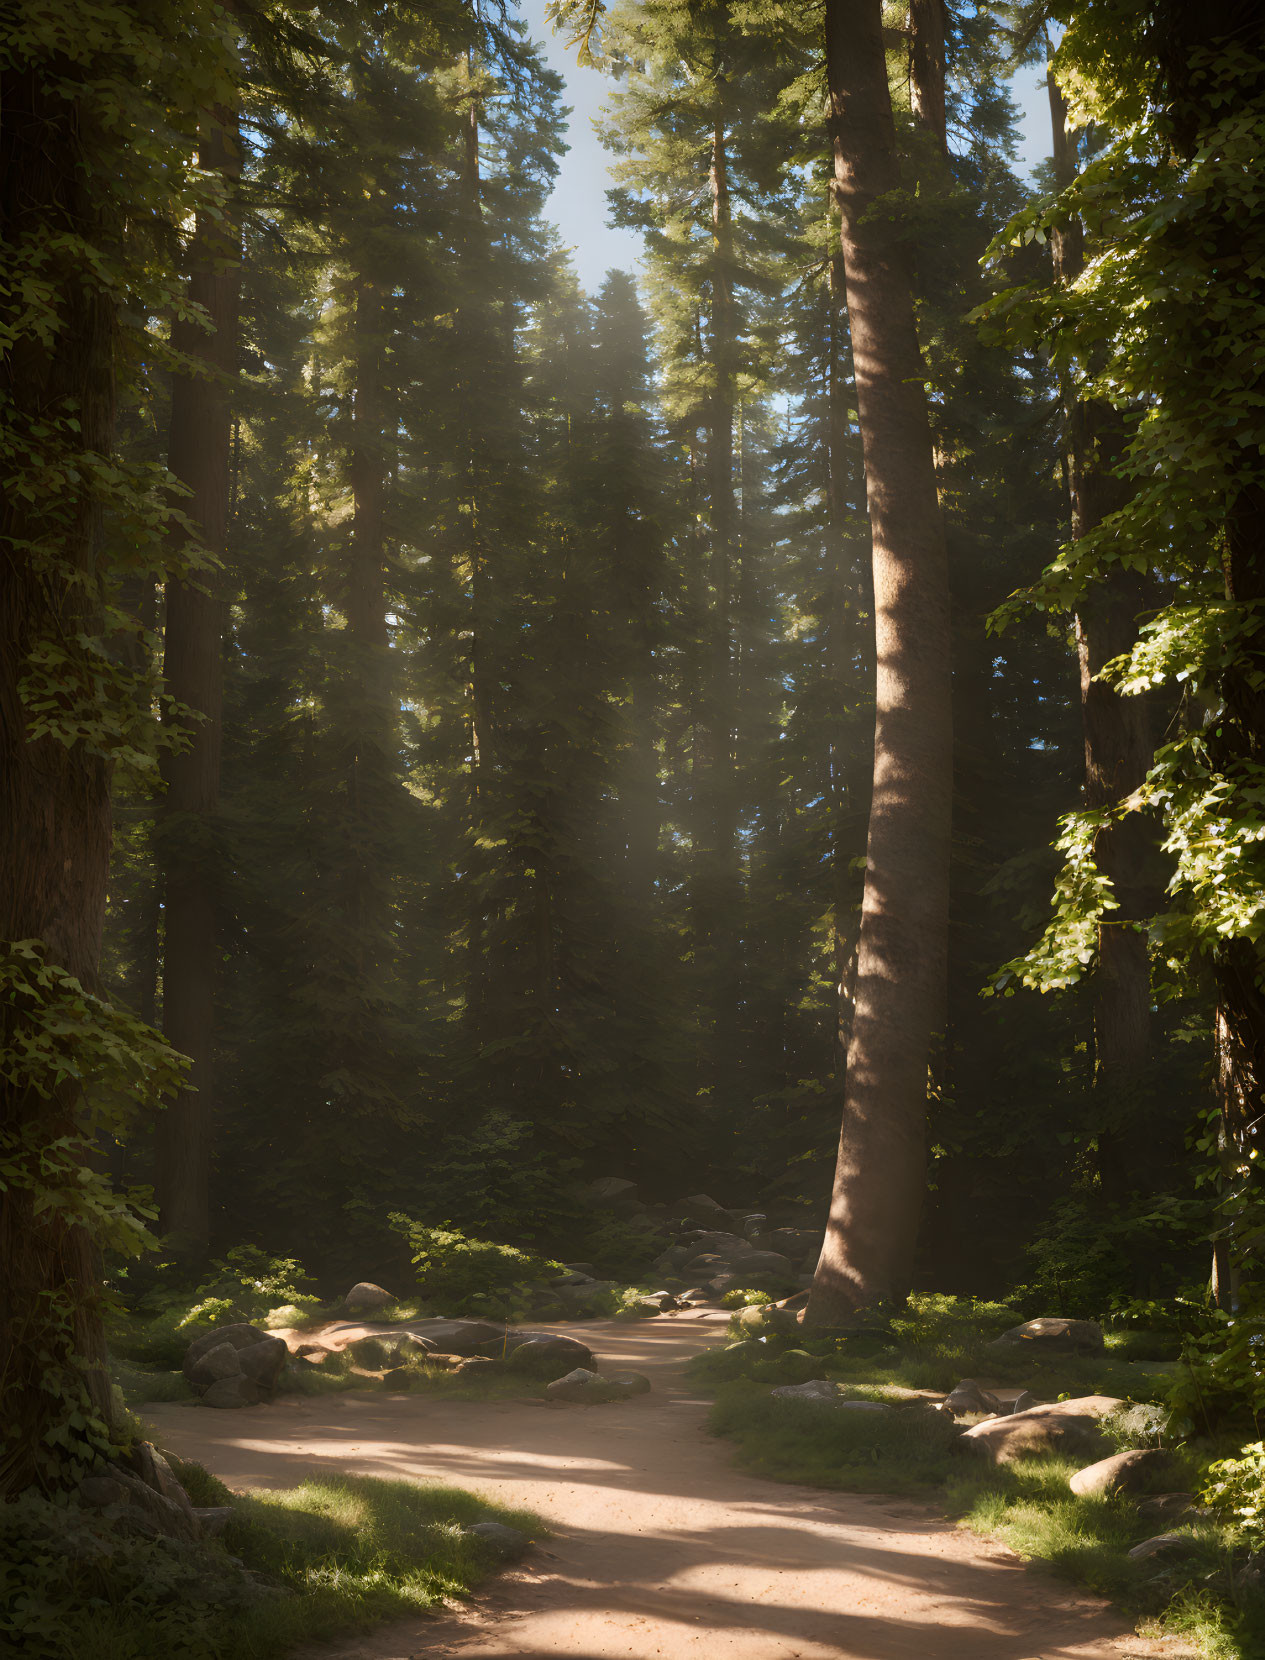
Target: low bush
[[464, 1275]]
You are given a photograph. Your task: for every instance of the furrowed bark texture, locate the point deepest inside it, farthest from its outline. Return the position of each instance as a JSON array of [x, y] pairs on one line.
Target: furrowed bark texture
[[54, 800], [900, 990], [199, 456]]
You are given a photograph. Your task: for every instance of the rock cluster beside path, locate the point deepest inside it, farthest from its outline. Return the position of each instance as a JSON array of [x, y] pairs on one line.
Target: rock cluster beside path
[[235, 1365]]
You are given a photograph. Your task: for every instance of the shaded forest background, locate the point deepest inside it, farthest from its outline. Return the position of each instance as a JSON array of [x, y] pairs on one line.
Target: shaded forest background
[[525, 841]]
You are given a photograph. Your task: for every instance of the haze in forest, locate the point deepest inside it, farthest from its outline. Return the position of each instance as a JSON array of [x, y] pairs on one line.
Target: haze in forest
[[631, 746]]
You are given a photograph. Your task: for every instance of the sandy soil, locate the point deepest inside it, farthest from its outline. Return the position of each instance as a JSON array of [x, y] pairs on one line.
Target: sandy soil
[[660, 1549]]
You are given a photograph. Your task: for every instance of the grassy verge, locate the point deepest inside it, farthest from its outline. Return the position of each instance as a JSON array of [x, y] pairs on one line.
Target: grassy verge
[[329, 1556], [1028, 1505]]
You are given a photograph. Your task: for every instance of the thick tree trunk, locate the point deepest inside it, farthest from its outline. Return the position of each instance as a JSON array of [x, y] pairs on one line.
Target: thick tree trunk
[[54, 799], [199, 456], [900, 993]]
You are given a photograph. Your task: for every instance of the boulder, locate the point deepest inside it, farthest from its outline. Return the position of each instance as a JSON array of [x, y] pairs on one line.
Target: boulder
[[548, 1356], [1051, 1335], [1164, 1545], [765, 1262], [589, 1388], [156, 1473], [239, 1335], [146, 1510], [232, 1392], [723, 1245], [704, 1266], [664, 1301], [364, 1297], [625, 1384], [1123, 1472], [763, 1318], [817, 1390], [507, 1542], [459, 1337], [1022, 1401], [968, 1398], [1061, 1426], [1170, 1507], [263, 1362], [642, 1308], [754, 1224], [215, 1364], [213, 1518]]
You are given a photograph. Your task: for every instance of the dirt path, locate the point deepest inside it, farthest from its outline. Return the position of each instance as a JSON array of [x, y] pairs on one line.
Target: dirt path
[[661, 1549]]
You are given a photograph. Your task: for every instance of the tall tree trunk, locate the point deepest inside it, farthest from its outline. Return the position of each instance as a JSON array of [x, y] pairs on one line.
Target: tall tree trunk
[[1119, 746], [719, 878], [926, 66], [900, 992], [54, 798], [193, 666]]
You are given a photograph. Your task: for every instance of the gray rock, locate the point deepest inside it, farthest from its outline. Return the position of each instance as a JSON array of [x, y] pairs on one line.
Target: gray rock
[[625, 1384], [99, 1491], [459, 1337], [364, 1297], [754, 1224], [765, 1262], [145, 1510], [1162, 1547], [1052, 1335], [240, 1334], [507, 1542], [263, 1362], [1023, 1401], [1060, 1426], [213, 1518], [157, 1473], [1170, 1507], [213, 1365], [549, 1356], [581, 1384], [762, 1318], [818, 1390], [640, 1308], [591, 1389], [724, 1245], [967, 1398], [232, 1392], [1124, 1472]]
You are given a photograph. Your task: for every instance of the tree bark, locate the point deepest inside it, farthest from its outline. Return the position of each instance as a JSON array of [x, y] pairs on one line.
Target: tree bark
[[900, 992], [54, 799], [719, 879], [199, 456], [926, 67]]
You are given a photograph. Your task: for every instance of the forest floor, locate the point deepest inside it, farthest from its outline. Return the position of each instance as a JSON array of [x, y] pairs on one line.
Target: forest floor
[[660, 1548]]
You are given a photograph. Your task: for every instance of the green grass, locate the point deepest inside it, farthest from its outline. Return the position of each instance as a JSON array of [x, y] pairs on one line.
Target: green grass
[[1029, 1504], [328, 1556]]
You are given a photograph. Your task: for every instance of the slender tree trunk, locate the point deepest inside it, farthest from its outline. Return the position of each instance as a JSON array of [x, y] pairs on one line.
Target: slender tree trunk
[[199, 456], [1119, 745], [720, 878], [900, 995], [926, 66], [54, 799]]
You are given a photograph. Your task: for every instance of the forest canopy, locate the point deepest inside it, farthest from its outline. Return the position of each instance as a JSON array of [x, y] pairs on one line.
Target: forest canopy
[[465, 737]]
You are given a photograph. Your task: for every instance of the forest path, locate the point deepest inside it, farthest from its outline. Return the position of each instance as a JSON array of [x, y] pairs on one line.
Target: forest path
[[661, 1549]]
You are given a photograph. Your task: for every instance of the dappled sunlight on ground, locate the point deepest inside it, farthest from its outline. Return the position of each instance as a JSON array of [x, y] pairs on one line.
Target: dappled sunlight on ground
[[660, 1548]]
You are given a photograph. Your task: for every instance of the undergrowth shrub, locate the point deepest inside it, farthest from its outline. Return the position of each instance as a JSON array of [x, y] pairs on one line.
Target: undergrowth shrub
[[464, 1275], [327, 1556]]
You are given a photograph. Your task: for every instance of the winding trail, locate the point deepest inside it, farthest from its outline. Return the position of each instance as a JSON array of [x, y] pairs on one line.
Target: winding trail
[[661, 1549]]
